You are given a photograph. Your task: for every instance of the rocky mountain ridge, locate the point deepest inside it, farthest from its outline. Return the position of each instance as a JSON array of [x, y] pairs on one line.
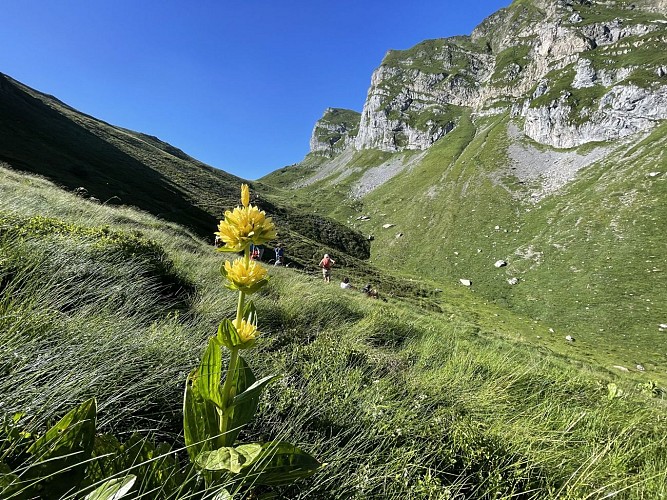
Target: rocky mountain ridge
[[575, 72]]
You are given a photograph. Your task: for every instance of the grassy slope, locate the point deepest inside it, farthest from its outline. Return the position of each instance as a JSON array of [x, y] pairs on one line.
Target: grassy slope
[[400, 402], [597, 272]]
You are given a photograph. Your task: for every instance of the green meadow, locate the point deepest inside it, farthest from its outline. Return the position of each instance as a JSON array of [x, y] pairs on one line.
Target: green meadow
[[589, 259], [447, 395]]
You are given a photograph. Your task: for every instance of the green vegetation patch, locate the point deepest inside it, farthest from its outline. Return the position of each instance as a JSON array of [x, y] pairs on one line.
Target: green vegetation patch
[[73, 254], [129, 244], [509, 63], [429, 56], [593, 12]]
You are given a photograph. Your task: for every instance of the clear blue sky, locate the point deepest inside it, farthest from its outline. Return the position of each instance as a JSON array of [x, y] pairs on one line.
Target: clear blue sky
[[238, 85]]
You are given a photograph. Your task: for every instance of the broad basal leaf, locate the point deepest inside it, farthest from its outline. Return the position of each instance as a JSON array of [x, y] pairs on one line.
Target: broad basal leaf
[[281, 463], [64, 451], [229, 458]]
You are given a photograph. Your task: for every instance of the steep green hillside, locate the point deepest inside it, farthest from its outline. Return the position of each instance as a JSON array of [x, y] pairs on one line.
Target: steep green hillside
[[589, 258], [42, 135]]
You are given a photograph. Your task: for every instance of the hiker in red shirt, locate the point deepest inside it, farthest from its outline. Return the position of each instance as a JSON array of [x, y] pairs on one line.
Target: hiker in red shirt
[[326, 263]]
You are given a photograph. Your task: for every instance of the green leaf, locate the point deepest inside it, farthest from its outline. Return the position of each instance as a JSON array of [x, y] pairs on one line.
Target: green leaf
[[243, 412], [65, 432], [230, 458], [63, 452], [113, 489], [201, 419], [210, 373], [250, 313], [255, 286], [154, 466], [254, 391], [281, 463], [229, 336], [105, 449], [10, 483]]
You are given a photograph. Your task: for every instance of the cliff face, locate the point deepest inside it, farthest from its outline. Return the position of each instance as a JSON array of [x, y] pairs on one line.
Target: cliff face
[[576, 71], [336, 130], [416, 95]]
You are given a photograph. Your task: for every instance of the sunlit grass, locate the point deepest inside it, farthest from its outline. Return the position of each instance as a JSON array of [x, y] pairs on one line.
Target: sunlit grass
[[399, 401]]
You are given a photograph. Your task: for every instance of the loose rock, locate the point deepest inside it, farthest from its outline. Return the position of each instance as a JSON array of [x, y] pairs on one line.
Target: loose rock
[[569, 338], [465, 282], [500, 263], [640, 368], [387, 226], [513, 281]]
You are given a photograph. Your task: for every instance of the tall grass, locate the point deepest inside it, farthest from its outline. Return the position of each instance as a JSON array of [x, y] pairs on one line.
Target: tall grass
[[400, 402]]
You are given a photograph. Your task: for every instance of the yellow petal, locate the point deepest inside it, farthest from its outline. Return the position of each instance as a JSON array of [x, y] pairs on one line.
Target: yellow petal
[[247, 331]]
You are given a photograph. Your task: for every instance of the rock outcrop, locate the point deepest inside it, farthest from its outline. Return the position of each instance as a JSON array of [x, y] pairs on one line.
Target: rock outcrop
[[576, 71], [416, 95], [335, 131], [622, 111]]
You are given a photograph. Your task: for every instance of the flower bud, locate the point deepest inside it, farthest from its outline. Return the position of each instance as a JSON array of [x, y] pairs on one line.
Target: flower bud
[[245, 195]]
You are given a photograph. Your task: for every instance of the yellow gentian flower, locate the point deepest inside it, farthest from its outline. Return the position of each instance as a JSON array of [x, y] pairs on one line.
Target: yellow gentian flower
[[243, 226], [245, 276], [247, 332]]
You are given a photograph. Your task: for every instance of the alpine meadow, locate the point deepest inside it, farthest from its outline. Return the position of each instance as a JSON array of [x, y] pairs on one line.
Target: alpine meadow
[[499, 207]]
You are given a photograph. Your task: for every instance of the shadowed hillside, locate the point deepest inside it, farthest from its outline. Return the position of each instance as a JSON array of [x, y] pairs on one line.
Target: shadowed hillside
[[40, 134]]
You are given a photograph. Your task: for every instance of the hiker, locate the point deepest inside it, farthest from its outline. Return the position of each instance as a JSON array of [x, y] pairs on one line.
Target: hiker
[[279, 255], [326, 263], [345, 284], [370, 291], [254, 252]]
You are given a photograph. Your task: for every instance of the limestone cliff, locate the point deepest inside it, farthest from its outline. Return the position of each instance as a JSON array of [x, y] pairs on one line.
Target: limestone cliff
[[575, 71]]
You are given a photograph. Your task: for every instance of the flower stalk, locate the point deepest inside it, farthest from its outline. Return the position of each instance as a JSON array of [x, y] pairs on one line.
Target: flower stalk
[[215, 412]]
